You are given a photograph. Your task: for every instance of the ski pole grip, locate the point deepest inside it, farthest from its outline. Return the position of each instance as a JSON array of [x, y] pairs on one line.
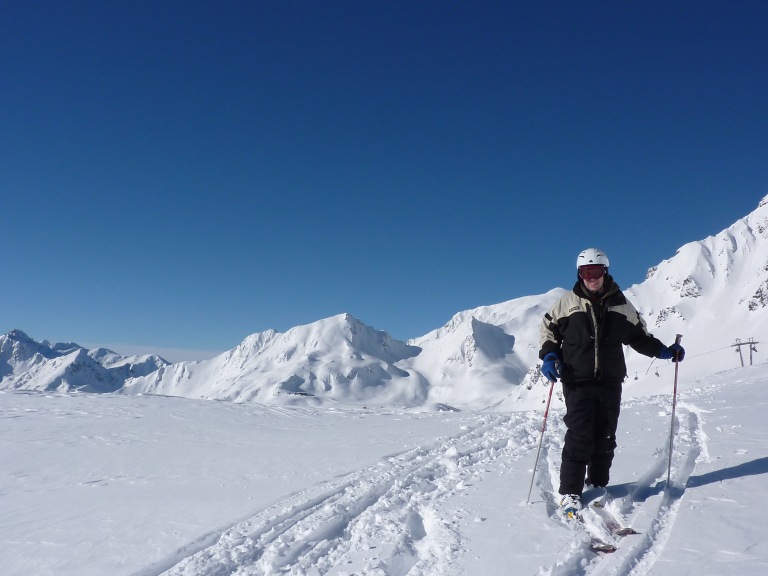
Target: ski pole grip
[[678, 337]]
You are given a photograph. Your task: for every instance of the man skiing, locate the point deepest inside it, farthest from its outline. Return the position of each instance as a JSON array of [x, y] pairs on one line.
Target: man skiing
[[582, 339]]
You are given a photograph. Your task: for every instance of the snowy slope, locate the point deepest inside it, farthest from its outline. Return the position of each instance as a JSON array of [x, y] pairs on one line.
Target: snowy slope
[[713, 292], [143, 486]]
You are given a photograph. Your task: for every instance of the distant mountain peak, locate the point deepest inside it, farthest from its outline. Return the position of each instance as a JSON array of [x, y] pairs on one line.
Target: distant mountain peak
[[19, 336], [26, 364]]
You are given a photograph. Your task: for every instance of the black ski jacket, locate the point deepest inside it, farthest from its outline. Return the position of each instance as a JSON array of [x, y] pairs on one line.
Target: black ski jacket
[[588, 334]]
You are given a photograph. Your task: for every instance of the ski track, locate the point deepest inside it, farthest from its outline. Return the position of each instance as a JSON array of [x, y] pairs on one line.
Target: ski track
[[649, 506], [377, 521], [382, 520]]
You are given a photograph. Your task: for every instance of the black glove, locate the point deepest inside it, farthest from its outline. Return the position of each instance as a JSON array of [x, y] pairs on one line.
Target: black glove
[[668, 353]]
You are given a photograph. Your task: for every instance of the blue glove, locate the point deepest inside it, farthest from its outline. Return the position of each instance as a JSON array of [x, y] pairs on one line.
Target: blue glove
[[551, 367], [668, 352]]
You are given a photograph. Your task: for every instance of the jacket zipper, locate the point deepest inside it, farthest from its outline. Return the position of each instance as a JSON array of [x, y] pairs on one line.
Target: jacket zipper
[[596, 330]]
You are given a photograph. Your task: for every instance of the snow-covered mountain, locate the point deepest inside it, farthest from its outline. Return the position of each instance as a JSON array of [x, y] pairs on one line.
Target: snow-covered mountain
[[482, 353], [713, 291], [338, 358], [29, 365]]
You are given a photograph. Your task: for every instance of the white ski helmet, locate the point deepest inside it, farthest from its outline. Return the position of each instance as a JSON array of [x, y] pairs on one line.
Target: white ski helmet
[[592, 256]]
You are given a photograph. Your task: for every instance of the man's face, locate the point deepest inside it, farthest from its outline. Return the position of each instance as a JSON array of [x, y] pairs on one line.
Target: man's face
[[593, 276]]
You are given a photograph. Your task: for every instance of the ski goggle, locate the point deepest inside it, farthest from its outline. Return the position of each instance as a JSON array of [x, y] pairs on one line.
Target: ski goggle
[[593, 272]]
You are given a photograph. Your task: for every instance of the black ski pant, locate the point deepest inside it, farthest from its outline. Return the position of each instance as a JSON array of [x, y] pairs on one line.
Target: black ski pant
[[592, 415]]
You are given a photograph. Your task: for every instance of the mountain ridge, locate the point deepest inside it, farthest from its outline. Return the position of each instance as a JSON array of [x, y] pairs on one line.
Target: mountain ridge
[[715, 288]]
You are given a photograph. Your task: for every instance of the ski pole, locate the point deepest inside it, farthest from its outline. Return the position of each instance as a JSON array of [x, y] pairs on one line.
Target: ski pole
[[674, 402], [541, 438]]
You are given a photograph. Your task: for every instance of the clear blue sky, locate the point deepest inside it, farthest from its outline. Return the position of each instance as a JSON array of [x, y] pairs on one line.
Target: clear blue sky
[[181, 174]]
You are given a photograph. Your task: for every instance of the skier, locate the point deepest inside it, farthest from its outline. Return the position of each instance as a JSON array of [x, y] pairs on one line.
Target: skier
[[582, 339]]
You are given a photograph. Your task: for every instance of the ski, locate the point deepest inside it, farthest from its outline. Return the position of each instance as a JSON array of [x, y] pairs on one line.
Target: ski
[[603, 547], [603, 528], [597, 542], [612, 523]]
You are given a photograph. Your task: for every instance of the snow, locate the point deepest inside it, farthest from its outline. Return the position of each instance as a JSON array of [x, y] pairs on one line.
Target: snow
[[100, 484]]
